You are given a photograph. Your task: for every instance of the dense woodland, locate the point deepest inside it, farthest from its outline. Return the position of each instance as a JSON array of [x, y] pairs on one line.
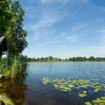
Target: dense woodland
[[54, 59]]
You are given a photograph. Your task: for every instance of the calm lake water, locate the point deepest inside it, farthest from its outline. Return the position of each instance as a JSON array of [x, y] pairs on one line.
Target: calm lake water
[[31, 91]]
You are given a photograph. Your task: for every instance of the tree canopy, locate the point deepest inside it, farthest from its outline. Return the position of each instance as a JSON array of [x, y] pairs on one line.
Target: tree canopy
[[11, 26]]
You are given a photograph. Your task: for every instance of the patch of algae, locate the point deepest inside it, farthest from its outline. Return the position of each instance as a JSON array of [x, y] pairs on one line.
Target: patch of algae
[[78, 84], [5, 99]]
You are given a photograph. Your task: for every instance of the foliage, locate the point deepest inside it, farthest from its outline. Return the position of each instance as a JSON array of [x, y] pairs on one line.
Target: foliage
[[5, 16], [74, 59], [11, 25], [16, 34], [17, 68]]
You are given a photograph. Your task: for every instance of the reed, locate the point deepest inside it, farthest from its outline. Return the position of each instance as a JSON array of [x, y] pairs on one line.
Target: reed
[[16, 69]]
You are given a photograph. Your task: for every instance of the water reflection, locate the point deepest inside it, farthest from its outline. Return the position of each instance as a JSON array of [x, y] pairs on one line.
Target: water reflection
[[14, 90]]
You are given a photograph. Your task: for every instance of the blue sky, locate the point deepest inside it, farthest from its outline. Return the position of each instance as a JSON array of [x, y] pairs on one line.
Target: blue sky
[[64, 28]]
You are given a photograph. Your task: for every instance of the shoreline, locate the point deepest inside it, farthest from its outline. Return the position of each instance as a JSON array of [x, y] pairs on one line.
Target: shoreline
[[65, 61]]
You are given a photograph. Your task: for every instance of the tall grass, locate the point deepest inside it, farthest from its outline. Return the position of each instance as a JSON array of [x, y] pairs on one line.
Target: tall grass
[[16, 69]]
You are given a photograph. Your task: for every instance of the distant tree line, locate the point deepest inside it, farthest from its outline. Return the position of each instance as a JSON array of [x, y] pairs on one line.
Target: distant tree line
[[75, 59]]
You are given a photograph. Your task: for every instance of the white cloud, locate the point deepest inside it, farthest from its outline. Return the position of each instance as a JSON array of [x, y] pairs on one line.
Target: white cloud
[[73, 38], [79, 26], [64, 39], [42, 29], [47, 20], [102, 31]]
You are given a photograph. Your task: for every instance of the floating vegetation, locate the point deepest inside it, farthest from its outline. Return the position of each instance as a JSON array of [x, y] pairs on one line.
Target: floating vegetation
[[83, 94], [99, 101], [88, 103], [82, 87], [46, 80], [69, 85]]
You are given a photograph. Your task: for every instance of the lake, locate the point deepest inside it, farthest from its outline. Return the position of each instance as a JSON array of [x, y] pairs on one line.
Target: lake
[[30, 90]]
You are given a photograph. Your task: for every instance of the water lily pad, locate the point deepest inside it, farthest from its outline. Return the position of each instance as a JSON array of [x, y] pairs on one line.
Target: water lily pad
[[45, 80], [99, 101], [88, 103], [82, 94], [82, 86]]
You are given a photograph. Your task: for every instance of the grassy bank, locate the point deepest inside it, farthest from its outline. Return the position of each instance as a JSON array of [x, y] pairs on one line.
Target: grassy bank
[[16, 69]]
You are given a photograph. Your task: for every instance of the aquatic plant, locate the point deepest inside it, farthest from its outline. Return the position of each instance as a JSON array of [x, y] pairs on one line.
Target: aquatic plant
[[45, 80], [69, 85], [99, 101], [82, 87], [83, 94], [88, 103]]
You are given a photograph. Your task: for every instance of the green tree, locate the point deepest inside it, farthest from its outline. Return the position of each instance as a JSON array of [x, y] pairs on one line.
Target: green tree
[[11, 25], [5, 17], [16, 35], [92, 58]]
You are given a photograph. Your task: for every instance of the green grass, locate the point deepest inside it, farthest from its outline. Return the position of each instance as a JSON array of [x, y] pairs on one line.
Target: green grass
[[17, 67]]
